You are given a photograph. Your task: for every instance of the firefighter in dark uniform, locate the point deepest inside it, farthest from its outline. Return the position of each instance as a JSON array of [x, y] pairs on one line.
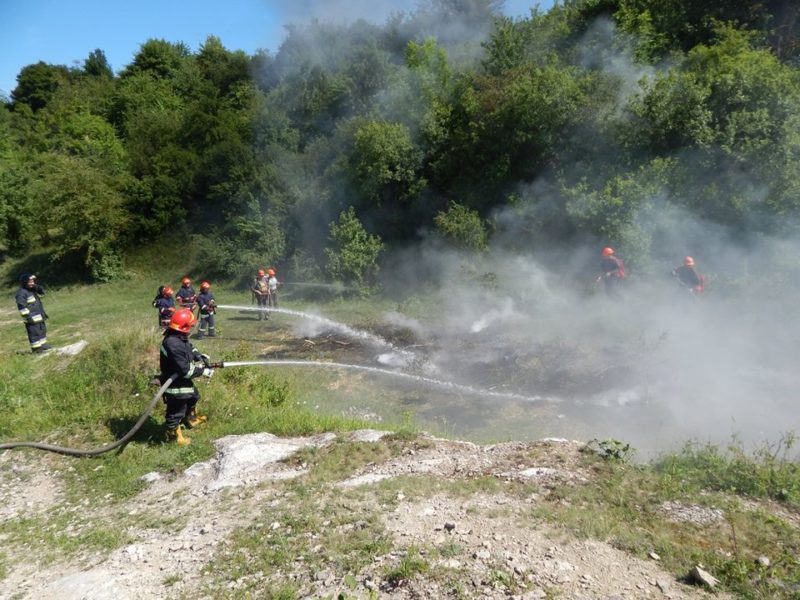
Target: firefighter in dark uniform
[[166, 306], [612, 271], [208, 306], [31, 310], [688, 278], [179, 357], [186, 297]]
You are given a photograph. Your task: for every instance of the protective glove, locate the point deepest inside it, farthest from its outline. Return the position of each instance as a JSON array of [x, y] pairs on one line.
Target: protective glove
[[208, 372], [40, 290]]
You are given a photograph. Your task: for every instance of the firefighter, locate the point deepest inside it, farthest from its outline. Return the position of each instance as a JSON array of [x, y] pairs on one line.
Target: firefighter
[[179, 357], [260, 291], [186, 296], [612, 270], [166, 306], [208, 306], [272, 287], [31, 310], [688, 278]]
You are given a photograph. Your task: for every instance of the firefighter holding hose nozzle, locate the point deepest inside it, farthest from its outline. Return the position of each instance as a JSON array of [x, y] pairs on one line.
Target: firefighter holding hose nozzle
[[688, 278], [208, 306], [186, 297], [165, 304], [612, 271], [178, 357]]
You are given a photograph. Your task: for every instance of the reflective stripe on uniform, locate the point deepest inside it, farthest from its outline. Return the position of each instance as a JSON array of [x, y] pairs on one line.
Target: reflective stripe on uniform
[[39, 343], [31, 299], [190, 371], [37, 318], [25, 312], [180, 391], [163, 350]]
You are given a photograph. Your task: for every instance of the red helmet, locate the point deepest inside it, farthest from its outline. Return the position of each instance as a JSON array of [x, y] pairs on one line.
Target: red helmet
[[688, 261], [607, 251], [168, 291], [182, 320], [261, 272], [186, 281], [205, 285], [271, 272]]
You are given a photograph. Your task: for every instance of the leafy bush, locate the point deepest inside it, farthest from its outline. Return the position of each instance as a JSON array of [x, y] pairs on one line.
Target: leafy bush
[[463, 226], [612, 450], [768, 472], [353, 254]]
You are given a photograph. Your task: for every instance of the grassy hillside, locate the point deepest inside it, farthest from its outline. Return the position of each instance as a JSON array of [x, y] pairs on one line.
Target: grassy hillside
[[94, 398]]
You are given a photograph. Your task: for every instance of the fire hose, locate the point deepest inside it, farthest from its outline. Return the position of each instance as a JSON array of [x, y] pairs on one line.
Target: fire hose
[[120, 442]]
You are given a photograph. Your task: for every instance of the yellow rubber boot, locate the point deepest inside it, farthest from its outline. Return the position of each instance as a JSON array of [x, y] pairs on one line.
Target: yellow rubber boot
[[176, 435], [193, 419]]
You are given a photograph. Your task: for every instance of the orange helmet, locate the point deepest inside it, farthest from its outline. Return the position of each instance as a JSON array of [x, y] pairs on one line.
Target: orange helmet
[[182, 320], [607, 251], [261, 272], [168, 291], [205, 285], [688, 261], [270, 272], [186, 281]]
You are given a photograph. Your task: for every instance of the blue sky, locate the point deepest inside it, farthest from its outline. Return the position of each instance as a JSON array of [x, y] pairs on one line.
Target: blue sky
[[65, 32]]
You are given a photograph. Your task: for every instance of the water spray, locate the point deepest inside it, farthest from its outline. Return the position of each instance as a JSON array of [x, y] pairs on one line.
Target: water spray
[[457, 387], [350, 332]]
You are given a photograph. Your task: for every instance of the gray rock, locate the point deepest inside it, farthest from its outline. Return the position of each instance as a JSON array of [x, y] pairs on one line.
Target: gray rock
[[367, 435], [703, 577]]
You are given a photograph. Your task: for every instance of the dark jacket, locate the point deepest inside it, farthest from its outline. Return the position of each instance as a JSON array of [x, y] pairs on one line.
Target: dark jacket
[[687, 276], [178, 357], [207, 303], [29, 303], [165, 306], [186, 297], [611, 266]]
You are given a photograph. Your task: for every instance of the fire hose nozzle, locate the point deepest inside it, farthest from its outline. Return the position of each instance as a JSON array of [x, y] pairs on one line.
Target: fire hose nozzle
[[216, 365]]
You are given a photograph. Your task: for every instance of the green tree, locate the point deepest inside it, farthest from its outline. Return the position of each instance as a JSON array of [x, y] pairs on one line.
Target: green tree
[[352, 256], [86, 213], [664, 25], [385, 163], [222, 67], [17, 202], [97, 65], [462, 226], [159, 58], [37, 83]]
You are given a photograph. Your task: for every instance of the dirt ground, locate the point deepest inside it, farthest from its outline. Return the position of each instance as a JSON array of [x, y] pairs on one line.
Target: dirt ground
[[493, 531]]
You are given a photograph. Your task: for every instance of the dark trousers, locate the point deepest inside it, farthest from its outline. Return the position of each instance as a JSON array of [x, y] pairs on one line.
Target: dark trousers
[[207, 326], [37, 334], [263, 302], [178, 408]]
